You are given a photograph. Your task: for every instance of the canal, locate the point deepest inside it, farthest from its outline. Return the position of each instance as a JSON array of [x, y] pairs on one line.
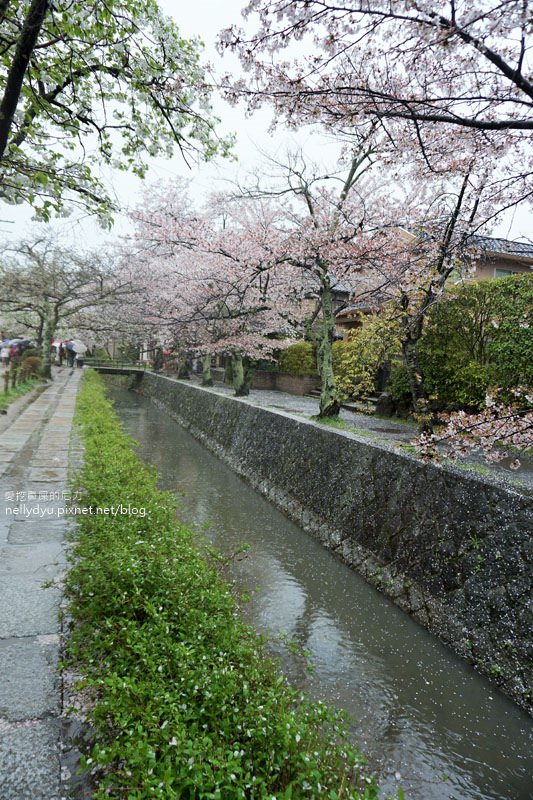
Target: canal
[[422, 716]]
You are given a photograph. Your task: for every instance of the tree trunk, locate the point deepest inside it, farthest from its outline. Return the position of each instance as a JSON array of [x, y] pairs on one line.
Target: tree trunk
[[48, 336], [158, 359], [329, 399], [15, 78], [241, 375], [207, 379], [419, 395], [39, 332]]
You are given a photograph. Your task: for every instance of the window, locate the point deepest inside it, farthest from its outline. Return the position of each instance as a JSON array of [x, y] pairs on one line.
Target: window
[[504, 273]]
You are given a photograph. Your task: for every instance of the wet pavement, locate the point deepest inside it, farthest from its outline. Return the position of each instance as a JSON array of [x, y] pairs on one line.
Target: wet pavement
[[35, 448], [392, 434]]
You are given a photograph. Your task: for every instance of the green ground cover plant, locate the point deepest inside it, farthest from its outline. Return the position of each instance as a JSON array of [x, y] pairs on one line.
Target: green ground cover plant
[[185, 701], [6, 398], [342, 425]]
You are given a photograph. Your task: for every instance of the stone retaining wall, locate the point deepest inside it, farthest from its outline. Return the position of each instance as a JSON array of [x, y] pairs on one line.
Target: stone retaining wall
[[450, 548]]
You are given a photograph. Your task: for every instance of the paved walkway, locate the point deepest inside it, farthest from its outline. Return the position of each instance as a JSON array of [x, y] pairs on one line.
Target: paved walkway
[[34, 460], [386, 432]]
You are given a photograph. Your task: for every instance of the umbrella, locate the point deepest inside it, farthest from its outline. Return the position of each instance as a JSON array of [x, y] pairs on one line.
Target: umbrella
[[77, 346], [25, 342]]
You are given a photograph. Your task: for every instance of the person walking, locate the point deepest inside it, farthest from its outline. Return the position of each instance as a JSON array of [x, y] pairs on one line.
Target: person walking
[[71, 354], [4, 352]]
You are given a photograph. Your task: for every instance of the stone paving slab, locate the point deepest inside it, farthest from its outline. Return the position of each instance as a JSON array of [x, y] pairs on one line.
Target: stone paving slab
[[29, 685], [32, 611], [34, 531], [34, 456], [36, 562], [42, 510], [43, 460], [29, 760], [55, 426], [47, 474], [4, 530], [23, 425], [16, 440]]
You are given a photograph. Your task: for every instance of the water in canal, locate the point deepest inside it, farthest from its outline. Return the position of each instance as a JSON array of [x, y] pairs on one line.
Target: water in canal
[[423, 717]]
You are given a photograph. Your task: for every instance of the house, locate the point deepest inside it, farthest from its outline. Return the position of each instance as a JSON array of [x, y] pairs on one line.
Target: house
[[494, 258], [499, 258], [351, 317]]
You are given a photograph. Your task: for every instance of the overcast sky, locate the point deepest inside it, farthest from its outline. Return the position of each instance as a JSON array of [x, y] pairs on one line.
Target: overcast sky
[[205, 18]]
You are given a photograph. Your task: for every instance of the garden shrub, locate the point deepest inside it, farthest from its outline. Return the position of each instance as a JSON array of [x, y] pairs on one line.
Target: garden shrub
[[481, 337], [298, 359], [100, 354], [31, 366], [31, 351], [186, 703], [356, 362], [398, 386]]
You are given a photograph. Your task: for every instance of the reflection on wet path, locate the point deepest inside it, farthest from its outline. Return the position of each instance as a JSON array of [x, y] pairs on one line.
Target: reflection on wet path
[[417, 711]]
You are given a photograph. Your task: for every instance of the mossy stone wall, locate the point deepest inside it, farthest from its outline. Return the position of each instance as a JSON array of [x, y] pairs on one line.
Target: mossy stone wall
[[451, 548]]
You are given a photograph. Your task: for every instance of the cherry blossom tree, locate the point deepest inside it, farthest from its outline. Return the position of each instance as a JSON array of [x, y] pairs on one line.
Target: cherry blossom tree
[[213, 278], [449, 63], [45, 285], [416, 67], [446, 84], [447, 87], [337, 231]]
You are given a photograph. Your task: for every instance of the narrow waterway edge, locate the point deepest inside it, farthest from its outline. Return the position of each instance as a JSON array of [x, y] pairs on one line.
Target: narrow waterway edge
[[452, 550]]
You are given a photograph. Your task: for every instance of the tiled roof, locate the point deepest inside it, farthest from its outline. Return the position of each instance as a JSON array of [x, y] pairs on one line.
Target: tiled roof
[[502, 246], [354, 308], [487, 244]]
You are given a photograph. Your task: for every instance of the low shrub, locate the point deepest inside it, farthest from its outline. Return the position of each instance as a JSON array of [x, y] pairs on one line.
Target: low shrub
[[298, 359], [186, 702], [22, 388], [398, 385], [31, 366], [478, 338], [356, 362]]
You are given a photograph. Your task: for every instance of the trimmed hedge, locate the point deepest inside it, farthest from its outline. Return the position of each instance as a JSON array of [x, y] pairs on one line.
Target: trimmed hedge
[[186, 702], [298, 359], [481, 337]]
